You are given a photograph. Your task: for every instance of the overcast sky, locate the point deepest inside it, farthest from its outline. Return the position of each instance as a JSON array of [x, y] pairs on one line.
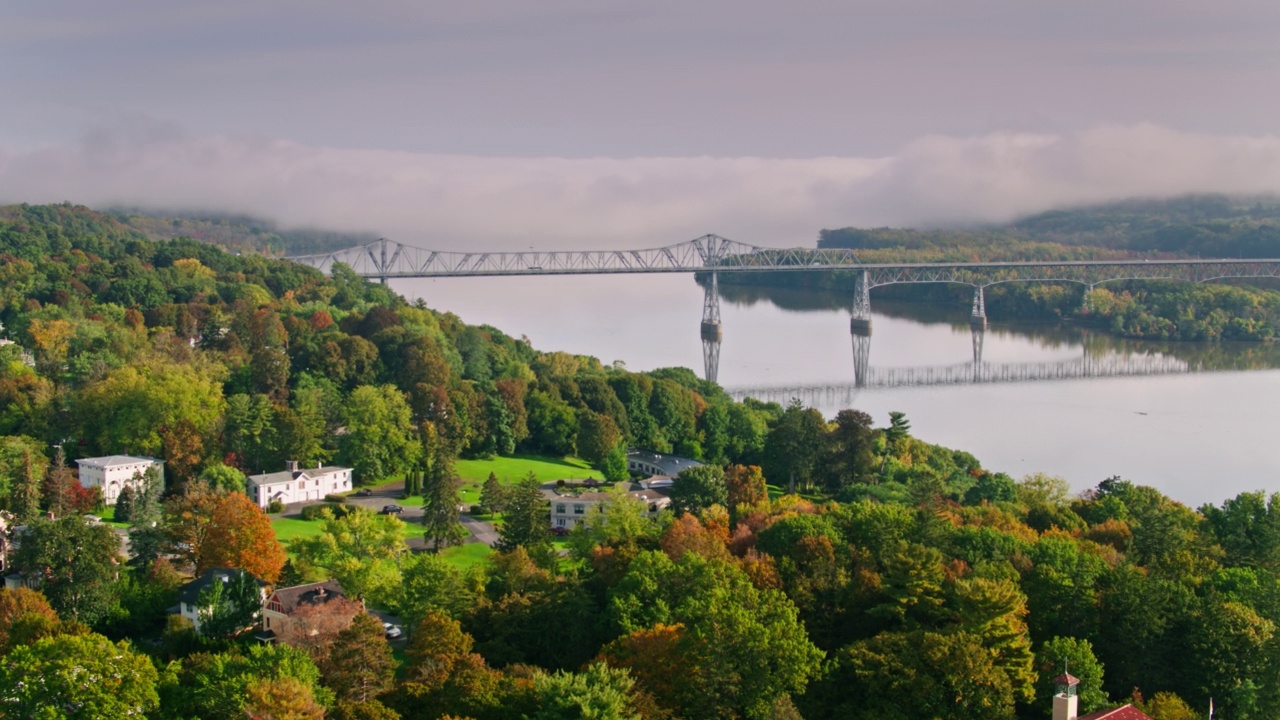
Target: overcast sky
[[579, 122]]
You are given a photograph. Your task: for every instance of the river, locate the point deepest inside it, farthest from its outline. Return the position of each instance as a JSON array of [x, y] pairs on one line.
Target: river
[[1199, 437]]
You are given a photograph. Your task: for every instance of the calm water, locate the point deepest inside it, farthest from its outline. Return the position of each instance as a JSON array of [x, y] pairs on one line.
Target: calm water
[[1199, 437]]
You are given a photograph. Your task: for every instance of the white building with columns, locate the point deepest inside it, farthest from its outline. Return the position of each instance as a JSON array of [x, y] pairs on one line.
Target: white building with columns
[[114, 472]]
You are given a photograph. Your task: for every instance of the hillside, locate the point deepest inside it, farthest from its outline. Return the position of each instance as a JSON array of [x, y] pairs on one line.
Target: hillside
[[239, 233]]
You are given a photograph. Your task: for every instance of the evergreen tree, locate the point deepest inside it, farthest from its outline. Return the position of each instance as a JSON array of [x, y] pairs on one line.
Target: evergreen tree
[[492, 495], [25, 496], [59, 485], [526, 521], [440, 501], [124, 505]]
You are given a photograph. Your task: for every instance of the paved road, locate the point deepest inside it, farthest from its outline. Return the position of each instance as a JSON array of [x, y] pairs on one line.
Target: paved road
[[481, 531]]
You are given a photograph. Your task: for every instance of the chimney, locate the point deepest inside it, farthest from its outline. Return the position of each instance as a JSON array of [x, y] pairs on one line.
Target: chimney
[[1064, 697], [291, 465]]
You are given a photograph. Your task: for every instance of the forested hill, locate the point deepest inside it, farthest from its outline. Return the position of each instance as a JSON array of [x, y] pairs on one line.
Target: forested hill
[[239, 233], [1197, 225]]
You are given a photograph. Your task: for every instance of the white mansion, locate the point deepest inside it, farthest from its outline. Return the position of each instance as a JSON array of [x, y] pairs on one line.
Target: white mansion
[[294, 484], [113, 473]]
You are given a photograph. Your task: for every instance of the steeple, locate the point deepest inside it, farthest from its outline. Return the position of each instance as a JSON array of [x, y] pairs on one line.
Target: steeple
[[1065, 702]]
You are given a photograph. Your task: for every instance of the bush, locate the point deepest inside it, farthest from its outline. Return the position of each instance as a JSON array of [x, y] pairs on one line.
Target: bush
[[335, 498], [312, 512], [477, 510], [275, 506]]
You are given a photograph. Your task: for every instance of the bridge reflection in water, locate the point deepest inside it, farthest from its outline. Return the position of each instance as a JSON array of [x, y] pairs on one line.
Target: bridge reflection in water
[[1088, 365]]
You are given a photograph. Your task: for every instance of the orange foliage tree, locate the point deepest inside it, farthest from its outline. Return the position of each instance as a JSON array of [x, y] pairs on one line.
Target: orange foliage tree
[[240, 536], [16, 605]]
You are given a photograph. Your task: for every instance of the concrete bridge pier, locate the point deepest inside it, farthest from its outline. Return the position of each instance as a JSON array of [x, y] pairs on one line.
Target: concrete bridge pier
[[711, 330], [978, 318], [860, 323]]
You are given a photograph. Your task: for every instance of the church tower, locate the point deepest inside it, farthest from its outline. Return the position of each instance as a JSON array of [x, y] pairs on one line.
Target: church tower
[[1065, 702]]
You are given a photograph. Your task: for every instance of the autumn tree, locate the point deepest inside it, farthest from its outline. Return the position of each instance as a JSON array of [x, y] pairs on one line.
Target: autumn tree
[[745, 485], [19, 606], [359, 664], [240, 536], [284, 698]]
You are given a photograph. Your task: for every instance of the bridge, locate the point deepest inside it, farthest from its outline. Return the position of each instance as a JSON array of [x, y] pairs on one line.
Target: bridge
[[711, 254]]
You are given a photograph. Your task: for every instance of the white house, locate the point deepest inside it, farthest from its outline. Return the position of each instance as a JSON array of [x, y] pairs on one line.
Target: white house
[[568, 509], [115, 472], [293, 484]]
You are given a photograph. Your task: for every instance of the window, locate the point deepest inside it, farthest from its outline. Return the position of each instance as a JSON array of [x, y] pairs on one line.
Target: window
[[560, 522], [578, 509], [560, 508]]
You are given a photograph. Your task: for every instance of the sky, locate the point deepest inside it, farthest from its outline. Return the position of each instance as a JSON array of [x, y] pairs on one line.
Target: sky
[[586, 123]]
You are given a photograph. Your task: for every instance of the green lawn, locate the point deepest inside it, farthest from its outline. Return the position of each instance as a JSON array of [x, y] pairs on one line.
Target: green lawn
[[108, 516], [292, 528], [469, 555], [511, 470]]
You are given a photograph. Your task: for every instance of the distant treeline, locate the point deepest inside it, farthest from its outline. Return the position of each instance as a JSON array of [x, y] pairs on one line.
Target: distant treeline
[[239, 233]]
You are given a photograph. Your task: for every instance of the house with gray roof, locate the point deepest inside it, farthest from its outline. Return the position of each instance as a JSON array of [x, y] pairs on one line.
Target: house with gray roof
[[650, 463], [295, 484], [115, 472]]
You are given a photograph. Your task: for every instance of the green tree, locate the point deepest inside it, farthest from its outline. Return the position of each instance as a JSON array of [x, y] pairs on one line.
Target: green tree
[[1068, 654], [85, 676], [598, 435], [614, 467], [895, 435], [380, 440], [794, 445], [359, 664], [22, 468], [441, 496], [217, 685], [698, 488], [599, 691], [429, 582], [492, 494], [526, 521], [361, 550], [144, 397], [849, 456], [124, 505], [73, 563], [744, 647], [224, 478], [227, 608]]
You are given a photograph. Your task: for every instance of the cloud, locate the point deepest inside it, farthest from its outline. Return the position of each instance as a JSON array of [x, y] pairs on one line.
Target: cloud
[[471, 202]]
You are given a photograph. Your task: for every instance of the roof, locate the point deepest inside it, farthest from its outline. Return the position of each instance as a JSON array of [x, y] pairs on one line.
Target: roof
[[1066, 679], [285, 476], [1126, 712], [114, 460], [291, 597], [671, 465], [190, 593]]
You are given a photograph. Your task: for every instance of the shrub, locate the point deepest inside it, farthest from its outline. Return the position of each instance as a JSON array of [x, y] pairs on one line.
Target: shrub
[[275, 506], [477, 510], [312, 512], [335, 498]]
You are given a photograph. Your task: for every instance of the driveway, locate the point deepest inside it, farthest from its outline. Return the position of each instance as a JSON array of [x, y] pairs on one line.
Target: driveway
[[481, 531]]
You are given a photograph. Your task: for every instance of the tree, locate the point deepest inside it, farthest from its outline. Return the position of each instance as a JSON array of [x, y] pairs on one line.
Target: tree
[[492, 494], [794, 445], [359, 665], [241, 536], [429, 582], [849, 457], [187, 523], [599, 691], [224, 478], [614, 467], [22, 468], [284, 698], [225, 609], [124, 505], [441, 497], [698, 488], [1068, 654], [745, 486], [744, 647], [361, 550], [526, 521], [59, 486], [20, 606], [898, 431], [216, 685], [73, 563], [78, 676], [598, 435], [141, 398], [380, 441]]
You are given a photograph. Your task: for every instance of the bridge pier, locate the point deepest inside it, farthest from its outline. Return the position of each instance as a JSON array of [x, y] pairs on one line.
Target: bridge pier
[[860, 323], [712, 331], [978, 318], [861, 358]]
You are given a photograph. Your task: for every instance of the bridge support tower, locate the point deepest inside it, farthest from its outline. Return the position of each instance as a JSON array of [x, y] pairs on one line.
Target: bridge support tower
[[712, 331], [860, 323], [978, 318], [861, 359]]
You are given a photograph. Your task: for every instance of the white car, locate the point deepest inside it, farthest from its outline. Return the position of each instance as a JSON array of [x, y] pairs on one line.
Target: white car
[[392, 631]]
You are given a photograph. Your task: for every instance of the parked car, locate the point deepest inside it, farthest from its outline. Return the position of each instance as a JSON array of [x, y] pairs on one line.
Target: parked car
[[364, 492], [391, 510], [392, 631]]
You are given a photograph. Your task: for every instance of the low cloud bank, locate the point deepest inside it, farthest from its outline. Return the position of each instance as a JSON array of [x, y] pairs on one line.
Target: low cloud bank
[[471, 202]]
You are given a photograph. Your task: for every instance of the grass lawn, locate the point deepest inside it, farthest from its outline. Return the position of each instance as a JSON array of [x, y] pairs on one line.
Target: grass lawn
[[292, 528], [468, 555], [109, 517], [511, 470], [777, 491]]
